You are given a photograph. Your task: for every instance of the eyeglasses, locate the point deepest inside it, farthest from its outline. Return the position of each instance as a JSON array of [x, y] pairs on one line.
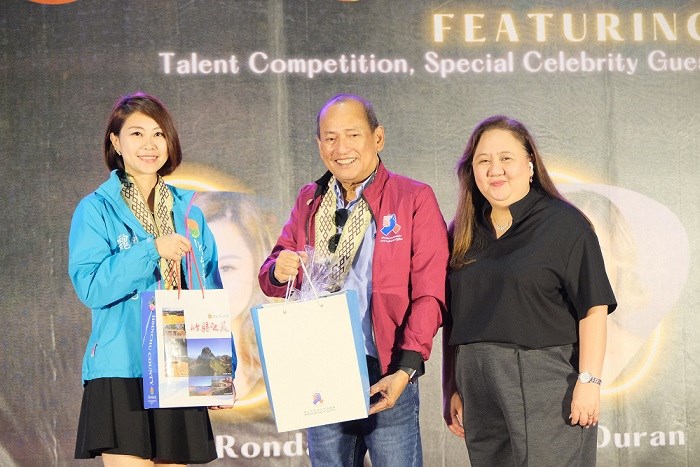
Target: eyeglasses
[[341, 217]]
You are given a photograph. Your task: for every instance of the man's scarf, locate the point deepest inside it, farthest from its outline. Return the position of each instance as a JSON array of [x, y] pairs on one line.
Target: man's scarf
[[350, 240]]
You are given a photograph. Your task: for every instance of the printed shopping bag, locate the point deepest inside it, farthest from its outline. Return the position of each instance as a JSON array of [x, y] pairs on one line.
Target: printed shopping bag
[[187, 353], [313, 360]]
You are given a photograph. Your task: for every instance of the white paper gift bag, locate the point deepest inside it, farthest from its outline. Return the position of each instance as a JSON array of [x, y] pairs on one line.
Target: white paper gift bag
[[187, 352], [313, 359]]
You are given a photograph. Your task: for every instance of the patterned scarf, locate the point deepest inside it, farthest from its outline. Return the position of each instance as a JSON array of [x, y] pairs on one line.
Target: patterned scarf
[[157, 223], [350, 240]]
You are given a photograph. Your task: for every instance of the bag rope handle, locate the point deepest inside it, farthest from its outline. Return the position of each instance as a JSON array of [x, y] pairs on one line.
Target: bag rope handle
[[188, 263], [290, 287]]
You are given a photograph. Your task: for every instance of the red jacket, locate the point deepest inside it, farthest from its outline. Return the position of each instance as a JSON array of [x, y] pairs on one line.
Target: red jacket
[[409, 263]]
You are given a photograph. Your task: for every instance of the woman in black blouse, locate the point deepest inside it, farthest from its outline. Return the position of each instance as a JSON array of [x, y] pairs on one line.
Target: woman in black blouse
[[529, 299]]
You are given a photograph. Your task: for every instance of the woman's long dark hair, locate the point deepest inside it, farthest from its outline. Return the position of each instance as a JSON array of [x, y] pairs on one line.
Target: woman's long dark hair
[[463, 228]]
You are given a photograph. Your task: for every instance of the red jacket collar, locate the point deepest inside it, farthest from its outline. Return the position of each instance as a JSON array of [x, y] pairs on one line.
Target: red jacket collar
[[372, 193]]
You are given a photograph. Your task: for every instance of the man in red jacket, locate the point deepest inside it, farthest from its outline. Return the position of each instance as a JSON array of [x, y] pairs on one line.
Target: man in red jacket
[[388, 241]]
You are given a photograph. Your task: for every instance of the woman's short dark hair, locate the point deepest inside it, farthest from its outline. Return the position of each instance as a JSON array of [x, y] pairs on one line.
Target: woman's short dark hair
[[152, 107]]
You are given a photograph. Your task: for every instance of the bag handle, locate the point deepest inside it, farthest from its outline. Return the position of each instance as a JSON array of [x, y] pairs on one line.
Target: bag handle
[[188, 263], [311, 283], [290, 287]]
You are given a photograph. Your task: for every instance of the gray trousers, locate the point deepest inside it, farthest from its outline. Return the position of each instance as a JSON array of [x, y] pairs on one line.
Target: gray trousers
[[517, 404]]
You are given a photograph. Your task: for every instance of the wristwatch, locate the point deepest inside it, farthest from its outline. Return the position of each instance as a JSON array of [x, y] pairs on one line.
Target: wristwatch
[[587, 377], [409, 371]]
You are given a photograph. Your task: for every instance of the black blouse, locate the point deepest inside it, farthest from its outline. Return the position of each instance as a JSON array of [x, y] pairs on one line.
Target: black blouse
[[532, 285]]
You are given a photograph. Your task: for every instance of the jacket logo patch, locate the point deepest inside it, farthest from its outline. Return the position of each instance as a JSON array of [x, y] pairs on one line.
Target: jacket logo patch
[[194, 228], [390, 229]]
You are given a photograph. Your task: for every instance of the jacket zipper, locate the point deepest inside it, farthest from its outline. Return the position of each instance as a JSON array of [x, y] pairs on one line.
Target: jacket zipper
[[308, 242], [371, 318]]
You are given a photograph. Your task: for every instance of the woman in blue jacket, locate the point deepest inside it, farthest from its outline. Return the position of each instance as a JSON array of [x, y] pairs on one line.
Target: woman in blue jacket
[[128, 237]]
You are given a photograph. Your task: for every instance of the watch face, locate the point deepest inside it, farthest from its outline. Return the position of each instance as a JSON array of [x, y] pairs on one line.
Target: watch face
[[584, 377]]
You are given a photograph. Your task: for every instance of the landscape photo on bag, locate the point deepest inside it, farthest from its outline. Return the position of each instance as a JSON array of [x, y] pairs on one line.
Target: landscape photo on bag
[[209, 367]]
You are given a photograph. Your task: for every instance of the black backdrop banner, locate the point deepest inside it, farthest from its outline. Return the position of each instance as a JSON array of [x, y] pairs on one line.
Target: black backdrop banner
[[609, 88]]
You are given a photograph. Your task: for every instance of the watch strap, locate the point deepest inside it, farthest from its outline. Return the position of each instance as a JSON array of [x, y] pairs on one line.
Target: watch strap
[[411, 372], [586, 377]]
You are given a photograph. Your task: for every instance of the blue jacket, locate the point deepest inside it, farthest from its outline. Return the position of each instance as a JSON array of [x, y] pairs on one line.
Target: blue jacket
[[111, 258]]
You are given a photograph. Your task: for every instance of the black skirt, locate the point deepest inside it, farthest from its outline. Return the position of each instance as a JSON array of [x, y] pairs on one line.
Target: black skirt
[[113, 421]]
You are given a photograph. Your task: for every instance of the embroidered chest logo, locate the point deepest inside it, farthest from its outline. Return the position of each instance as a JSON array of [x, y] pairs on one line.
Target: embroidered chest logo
[[123, 242], [193, 227], [390, 229]]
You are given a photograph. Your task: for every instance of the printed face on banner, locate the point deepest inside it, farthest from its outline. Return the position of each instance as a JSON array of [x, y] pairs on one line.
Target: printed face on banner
[[501, 168], [646, 253], [347, 146], [241, 229], [236, 265], [142, 145]]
